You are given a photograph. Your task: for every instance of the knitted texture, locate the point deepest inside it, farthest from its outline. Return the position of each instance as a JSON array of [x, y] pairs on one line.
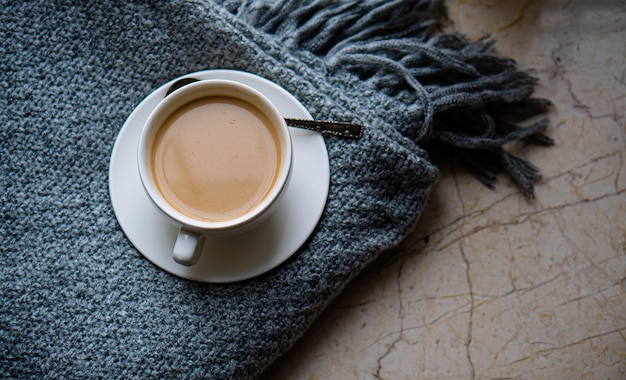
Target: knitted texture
[[78, 301]]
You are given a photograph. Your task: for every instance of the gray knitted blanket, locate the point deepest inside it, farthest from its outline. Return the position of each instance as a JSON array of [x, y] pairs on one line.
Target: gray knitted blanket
[[79, 301]]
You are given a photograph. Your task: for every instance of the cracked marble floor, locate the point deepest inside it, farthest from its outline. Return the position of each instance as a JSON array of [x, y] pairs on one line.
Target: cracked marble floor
[[490, 285]]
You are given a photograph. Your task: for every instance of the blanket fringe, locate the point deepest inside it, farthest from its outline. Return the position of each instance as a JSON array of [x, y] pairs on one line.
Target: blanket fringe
[[469, 101]]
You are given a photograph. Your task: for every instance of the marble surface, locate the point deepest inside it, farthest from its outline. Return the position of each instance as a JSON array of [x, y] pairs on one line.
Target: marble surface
[[491, 285]]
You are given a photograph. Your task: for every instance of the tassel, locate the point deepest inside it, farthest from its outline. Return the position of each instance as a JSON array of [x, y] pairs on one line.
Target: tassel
[[469, 101]]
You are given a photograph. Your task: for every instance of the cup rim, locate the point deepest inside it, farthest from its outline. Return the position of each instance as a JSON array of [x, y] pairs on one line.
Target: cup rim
[[191, 92]]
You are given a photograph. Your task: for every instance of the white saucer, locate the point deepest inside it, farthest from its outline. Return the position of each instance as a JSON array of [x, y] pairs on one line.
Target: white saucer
[[242, 256]]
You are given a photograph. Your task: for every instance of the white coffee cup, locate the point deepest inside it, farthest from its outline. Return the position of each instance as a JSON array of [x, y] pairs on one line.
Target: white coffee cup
[[186, 149]]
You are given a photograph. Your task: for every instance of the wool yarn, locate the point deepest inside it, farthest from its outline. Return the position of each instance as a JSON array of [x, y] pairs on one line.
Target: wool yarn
[[78, 301]]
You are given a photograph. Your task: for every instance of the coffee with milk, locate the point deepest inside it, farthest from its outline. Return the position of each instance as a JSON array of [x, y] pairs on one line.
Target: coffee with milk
[[216, 158]]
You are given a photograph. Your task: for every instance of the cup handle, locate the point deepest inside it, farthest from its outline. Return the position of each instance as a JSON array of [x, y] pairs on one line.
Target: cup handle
[[188, 247]]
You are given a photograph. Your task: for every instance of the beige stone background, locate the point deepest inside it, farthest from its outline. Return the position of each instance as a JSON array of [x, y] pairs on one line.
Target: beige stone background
[[490, 285]]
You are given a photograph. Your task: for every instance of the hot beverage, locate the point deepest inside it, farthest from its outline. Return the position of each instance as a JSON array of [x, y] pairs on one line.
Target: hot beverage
[[216, 158]]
